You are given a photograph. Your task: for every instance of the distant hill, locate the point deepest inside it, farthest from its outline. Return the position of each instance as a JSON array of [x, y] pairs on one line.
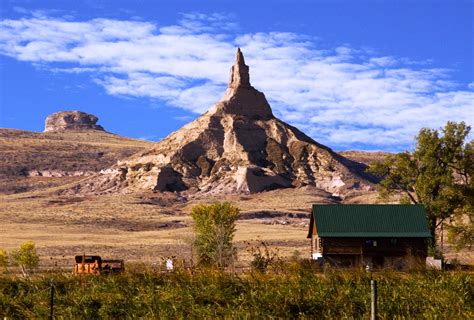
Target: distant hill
[[33, 160], [365, 157]]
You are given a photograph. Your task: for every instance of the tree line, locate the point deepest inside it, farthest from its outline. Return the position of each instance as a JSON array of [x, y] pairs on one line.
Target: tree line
[[437, 174]]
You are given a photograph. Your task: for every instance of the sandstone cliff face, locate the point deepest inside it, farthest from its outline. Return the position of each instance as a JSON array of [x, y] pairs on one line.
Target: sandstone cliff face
[[238, 146], [71, 120]]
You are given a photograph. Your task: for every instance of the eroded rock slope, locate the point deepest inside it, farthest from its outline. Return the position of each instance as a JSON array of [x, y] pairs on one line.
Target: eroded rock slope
[[237, 146]]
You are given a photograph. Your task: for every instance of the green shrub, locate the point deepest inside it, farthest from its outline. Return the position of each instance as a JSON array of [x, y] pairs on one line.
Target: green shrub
[[214, 227], [3, 259], [25, 257], [263, 257]]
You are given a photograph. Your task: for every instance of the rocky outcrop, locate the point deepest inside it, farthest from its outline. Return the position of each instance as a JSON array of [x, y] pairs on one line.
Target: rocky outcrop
[[57, 173], [71, 120], [238, 146]]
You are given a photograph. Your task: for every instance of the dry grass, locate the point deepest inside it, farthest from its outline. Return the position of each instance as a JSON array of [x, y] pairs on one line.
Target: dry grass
[[146, 227], [365, 157], [24, 151]]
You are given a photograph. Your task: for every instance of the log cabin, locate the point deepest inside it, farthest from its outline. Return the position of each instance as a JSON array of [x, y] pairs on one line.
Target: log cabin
[[369, 235]]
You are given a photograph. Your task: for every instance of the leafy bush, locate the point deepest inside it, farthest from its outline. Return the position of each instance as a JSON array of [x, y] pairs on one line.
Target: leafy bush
[[25, 257], [3, 259], [263, 257], [214, 226]]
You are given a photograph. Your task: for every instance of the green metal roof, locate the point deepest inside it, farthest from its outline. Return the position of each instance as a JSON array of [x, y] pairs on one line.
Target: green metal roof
[[370, 220]]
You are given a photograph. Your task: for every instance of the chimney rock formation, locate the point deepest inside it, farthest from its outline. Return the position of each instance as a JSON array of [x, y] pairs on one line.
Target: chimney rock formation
[[236, 146]]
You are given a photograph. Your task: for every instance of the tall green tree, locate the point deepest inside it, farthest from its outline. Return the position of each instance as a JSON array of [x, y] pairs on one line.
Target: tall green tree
[[214, 227], [461, 227], [437, 174]]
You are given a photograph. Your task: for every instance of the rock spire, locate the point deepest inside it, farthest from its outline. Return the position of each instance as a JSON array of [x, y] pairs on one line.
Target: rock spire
[[240, 97], [239, 75]]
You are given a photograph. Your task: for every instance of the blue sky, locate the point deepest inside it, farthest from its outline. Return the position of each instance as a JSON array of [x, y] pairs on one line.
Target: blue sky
[[351, 74]]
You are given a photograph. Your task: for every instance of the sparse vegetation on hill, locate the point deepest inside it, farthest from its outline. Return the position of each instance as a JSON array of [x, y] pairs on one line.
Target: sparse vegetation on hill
[[365, 157], [32, 160]]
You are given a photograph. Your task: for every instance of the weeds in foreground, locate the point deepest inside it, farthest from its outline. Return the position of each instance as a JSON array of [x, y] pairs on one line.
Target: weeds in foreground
[[292, 292]]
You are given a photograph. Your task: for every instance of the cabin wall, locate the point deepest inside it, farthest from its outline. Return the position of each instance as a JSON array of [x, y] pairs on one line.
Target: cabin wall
[[395, 253]]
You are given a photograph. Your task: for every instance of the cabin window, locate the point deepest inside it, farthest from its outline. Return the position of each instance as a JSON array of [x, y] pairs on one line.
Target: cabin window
[[393, 242], [370, 243]]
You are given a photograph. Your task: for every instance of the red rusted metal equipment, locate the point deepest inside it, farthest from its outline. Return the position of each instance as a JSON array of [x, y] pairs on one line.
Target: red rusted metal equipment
[[87, 264]]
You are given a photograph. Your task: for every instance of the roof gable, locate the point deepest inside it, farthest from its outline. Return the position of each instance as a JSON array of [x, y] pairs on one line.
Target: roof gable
[[370, 220]]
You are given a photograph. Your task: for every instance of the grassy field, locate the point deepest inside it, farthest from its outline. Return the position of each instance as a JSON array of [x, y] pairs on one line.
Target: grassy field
[[146, 227], [143, 227], [290, 291]]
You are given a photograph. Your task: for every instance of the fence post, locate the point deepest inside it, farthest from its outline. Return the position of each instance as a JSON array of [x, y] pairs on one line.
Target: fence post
[[373, 305], [51, 301]]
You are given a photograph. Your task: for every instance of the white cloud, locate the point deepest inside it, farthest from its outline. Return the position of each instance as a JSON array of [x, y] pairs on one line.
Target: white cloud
[[341, 96], [384, 61]]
